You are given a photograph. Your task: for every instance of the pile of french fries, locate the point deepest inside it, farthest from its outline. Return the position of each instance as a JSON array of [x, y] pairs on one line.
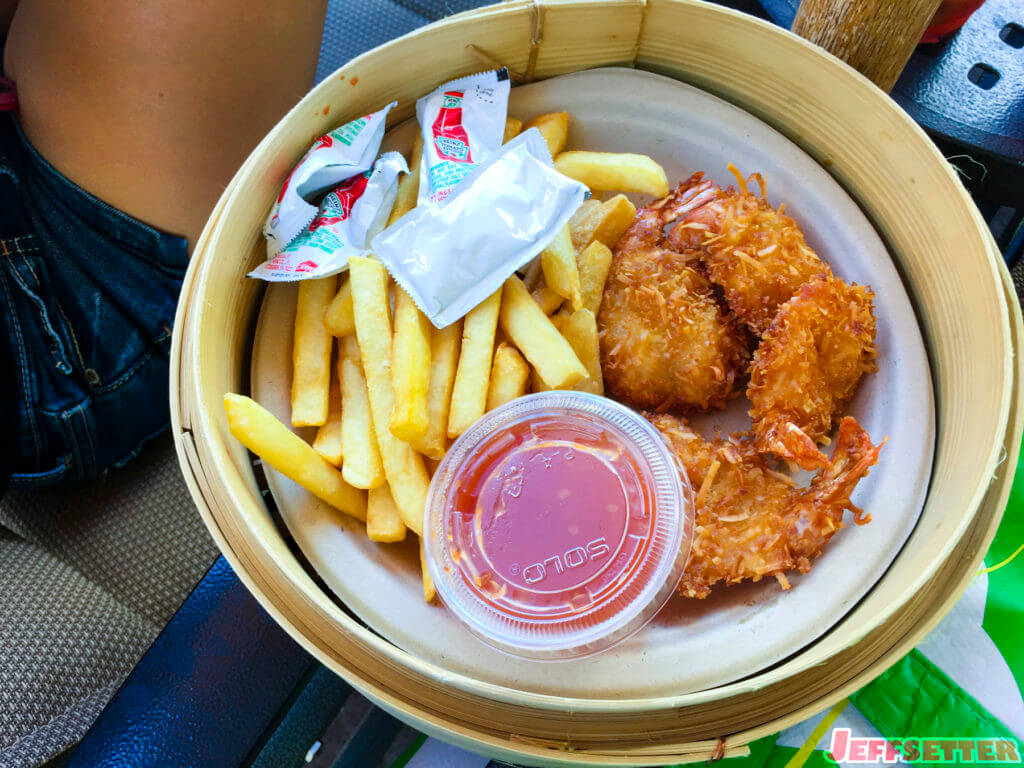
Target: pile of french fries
[[388, 392]]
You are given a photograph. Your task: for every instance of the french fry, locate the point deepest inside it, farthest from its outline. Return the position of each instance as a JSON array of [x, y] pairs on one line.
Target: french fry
[[580, 330], [533, 274], [623, 172], [512, 129], [444, 357], [577, 230], [363, 467], [546, 299], [410, 369], [411, 346], [409, 184], [561, 274], [328, 437], [257, 429], [594, 263], [510, 376], [403, 467], [472, 377], [338, 318], [311, 354], [532, 331], [429, 593], [554, 127], [604, 222], [383, 521]]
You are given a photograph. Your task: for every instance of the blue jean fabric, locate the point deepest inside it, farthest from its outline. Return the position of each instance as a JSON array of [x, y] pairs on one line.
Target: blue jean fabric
[[87, 296]]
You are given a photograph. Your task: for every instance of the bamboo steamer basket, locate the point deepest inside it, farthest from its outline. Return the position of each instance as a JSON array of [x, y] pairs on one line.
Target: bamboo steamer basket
[[965, 304]]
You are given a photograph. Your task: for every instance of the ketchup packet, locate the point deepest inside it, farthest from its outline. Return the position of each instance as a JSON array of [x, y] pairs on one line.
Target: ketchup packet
[[349, 216], [450, 257], [341, 154], [463, 123]]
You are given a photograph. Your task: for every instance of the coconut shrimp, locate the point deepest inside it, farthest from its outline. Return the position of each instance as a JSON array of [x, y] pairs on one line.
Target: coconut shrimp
[[808, 366], [666, 340], [754, 252], [753, 521]]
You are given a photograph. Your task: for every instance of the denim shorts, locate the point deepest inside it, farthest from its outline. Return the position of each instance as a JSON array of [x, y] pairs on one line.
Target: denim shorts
[[87, 296]]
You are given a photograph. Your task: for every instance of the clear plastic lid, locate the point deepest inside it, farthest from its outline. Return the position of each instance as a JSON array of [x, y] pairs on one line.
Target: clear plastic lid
[[557, 525]]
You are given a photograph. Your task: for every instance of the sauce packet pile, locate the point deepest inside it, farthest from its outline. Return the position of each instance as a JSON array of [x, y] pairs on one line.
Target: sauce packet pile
[[336, 157], [463, 123], [451, 256], [349, 216]]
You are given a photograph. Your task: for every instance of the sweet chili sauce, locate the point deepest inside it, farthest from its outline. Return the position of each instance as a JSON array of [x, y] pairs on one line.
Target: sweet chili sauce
[[556, 524], [549, 517]]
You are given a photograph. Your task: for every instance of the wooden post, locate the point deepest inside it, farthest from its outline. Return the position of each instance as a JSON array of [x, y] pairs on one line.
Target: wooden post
[[875, 37]]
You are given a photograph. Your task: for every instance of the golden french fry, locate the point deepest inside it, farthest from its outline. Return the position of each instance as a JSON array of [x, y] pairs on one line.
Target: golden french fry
[[362, 467], [512, 129], [328, 437], [383, 521], [256, 428], [560, 317], [469, 396], [594, 263], [510, 376], [409, 184], [338, 318], [578, 231], [533, 274], [444, 357], [532, 331], [580, 330], [554, 127], [403, 467], [410, 369], [604, 222], [411, 346], [617, 213], [311, 353], [429, 593], [546, 299], [561, 274], [624, 172]]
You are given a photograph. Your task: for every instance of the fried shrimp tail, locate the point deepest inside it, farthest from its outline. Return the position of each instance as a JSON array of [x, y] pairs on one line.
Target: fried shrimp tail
[[753, 521], [807, 367]]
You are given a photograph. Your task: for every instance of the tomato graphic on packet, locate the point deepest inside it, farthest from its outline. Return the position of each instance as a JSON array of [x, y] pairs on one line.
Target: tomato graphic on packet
[[338, 205], [450, 137]]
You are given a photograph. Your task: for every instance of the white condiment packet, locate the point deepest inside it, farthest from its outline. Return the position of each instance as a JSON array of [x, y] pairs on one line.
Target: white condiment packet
[[463, 123], [334, 157], [450, 257], [348, 218]]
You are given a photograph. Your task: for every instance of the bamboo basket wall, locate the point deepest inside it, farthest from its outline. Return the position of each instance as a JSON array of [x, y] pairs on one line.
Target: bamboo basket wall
[[953, 272]]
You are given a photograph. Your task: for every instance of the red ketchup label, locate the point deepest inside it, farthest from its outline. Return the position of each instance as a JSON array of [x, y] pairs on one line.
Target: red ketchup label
[[337, 206], [340, 225], [462, 124], [450, 137]]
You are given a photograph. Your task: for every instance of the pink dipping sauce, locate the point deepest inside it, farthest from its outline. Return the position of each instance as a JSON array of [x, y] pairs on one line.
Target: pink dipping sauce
[[557, 525]]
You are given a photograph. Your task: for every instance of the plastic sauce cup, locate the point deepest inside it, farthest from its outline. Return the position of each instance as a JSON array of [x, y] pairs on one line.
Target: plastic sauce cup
[[557, 525]]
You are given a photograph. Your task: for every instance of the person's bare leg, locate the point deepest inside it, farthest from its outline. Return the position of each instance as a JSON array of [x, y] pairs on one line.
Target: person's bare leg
[[152, 106]]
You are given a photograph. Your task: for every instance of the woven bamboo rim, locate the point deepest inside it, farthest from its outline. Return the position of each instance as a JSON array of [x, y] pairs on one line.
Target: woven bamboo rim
[[942, 248]]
